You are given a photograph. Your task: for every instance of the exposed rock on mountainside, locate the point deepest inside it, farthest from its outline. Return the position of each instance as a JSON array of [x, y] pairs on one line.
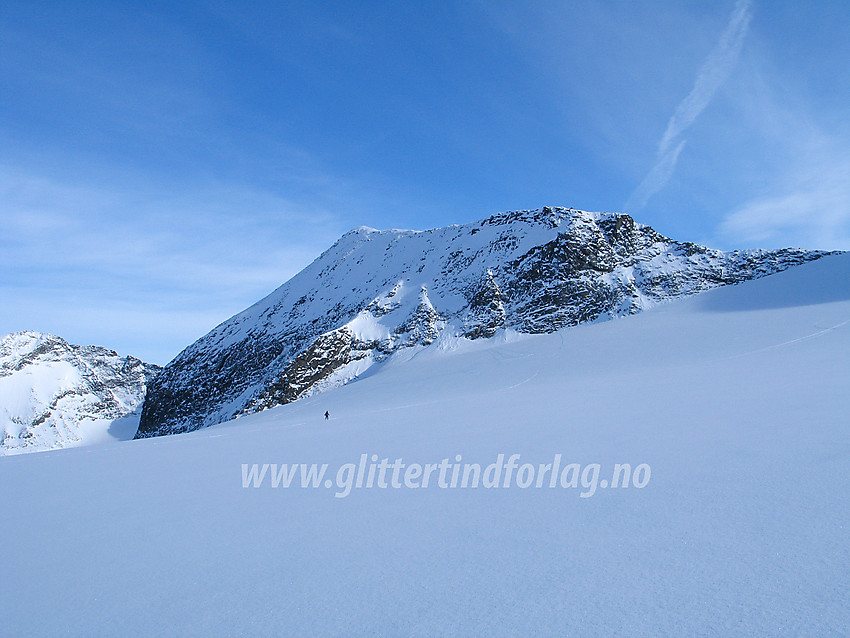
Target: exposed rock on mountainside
[[374, 292], [54, 394]]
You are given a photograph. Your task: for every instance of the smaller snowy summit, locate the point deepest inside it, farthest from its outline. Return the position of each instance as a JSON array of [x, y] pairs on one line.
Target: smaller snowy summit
[[55, 395]]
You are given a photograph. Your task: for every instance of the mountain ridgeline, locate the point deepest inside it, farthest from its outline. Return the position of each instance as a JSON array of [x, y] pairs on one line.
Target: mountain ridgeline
[[374, 293], [52, 393]]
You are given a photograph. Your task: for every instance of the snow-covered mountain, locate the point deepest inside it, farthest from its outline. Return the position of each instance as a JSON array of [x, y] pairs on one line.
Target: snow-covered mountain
[[54, 394], [375, 293], [736, 398]]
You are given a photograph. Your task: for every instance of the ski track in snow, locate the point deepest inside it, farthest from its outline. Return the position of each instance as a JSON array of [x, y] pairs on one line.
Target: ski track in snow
[[523, 382], [789, 342], [808, 336]]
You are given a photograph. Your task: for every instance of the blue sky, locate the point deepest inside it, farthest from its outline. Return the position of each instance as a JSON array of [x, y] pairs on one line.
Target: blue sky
[[164, 165]]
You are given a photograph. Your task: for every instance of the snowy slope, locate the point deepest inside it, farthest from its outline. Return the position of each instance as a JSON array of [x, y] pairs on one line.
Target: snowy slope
[[376, 293], [736, 398], [54, 394]]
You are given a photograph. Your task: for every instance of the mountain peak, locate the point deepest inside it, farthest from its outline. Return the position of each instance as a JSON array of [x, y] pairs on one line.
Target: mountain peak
[[374, 293], [548, 216], [27, 339], [54, 394]]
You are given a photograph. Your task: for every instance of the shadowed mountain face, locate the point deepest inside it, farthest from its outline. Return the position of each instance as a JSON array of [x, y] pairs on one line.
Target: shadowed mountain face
[[375, 293], [54, 394]]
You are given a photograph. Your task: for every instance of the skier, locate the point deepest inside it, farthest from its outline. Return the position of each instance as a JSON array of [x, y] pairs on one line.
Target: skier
[[327, 415]]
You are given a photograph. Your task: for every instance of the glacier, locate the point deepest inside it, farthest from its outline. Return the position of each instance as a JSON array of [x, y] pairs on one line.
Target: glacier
[[736, 397]]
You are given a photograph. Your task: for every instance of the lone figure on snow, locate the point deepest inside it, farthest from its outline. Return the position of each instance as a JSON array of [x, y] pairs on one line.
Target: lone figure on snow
[[327, 415]]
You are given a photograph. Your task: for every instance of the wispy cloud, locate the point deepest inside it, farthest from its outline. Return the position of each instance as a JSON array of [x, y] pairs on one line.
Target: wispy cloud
[[712, 74], [811, 209], [797, 191], [656, 178], [159, 266]]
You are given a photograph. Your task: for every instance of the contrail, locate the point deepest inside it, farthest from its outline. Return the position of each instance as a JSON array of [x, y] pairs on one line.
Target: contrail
[[712, 74], [656, 178]]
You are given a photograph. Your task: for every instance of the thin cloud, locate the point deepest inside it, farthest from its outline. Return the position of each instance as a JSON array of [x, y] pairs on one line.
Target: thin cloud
[[799, 195], [71, 250], [712, 74], [656, 178], [813, 211]]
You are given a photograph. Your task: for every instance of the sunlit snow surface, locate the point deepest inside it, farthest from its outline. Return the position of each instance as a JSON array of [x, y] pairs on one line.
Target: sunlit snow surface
[[737, 398]]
